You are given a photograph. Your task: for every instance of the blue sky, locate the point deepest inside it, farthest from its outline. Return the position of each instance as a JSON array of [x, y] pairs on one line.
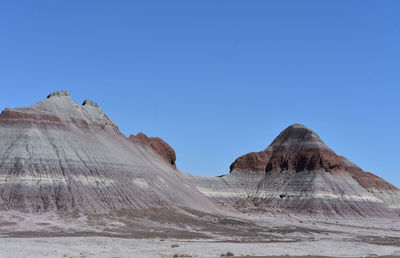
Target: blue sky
[[217, 79]]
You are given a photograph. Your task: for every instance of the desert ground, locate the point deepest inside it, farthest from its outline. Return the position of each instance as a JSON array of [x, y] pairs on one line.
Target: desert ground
[[194, 234]]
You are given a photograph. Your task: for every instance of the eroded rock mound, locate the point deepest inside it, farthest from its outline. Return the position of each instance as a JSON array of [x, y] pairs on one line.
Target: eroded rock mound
[[253, 161], [60, 156], [298, 148], [158, 145], [301, 175]]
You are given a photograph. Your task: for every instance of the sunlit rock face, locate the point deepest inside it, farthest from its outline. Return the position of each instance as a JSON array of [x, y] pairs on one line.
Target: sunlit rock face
[[299, 174], [253, 161], [58, 155]]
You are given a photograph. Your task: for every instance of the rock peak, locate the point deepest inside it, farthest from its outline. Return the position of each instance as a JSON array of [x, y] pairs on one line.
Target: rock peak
[[298, 148], [62, 93], [297, 136], [90, 103]]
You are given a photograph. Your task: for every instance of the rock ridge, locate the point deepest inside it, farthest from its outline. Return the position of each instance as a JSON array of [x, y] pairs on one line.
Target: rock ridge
[[62, 93], [90, 103]]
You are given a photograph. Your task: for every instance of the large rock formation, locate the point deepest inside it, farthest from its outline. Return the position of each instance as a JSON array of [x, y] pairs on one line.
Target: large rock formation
[[304, 176], [299, 174], [58, 155]]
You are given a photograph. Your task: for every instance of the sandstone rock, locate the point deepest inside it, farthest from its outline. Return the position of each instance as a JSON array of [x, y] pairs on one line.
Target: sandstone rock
[[253, 161], [158, 145]]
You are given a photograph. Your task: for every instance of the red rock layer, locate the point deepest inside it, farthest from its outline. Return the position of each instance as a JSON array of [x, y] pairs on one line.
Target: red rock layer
[[158, 145], [313, 159], [9, 114], [298, 148], [369, 180], [253, 161]]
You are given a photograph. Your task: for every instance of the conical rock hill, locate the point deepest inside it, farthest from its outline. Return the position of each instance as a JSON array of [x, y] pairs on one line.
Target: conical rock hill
[[58, 155]]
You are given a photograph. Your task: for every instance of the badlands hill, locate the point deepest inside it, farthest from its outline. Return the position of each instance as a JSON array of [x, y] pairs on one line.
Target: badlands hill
[[58, 155], [297, 173], [71, 184]]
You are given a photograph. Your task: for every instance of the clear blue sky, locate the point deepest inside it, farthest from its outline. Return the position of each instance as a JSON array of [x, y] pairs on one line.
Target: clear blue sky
[[217, 79]]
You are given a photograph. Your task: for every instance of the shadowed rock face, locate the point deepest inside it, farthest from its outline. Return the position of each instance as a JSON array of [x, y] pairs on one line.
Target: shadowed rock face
[[58, 155], [299, 174], [158, 145]]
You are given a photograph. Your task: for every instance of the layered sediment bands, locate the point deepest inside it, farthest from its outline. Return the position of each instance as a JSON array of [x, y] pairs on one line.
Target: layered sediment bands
[[301, 175], [304, 176], [378, 187], [298, 148], [158, 145], [58, 155], [229, 188], [313, 159], [319, 193]]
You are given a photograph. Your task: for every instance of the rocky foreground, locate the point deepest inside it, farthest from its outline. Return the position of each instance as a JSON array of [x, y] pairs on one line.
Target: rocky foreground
[[197, 235]]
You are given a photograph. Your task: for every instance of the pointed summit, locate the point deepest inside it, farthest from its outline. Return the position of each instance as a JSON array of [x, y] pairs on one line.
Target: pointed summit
[[61, 93], [297, 137], [298, 148], [302, 175]]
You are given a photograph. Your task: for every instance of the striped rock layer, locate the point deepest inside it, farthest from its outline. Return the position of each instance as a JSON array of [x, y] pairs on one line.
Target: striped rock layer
[[58, 155], [299, 174]]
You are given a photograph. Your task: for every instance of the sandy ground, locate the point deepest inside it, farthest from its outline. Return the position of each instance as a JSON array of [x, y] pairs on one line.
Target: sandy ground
[[119, 247], [163, 233]]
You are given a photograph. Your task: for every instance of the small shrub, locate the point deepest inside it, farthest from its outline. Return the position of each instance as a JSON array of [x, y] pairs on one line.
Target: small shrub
[[229, 253], [174, 245], [181, 255]]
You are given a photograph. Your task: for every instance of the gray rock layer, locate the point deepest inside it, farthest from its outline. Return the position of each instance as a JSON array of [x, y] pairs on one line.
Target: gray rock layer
[[302, 176], [61, 156]]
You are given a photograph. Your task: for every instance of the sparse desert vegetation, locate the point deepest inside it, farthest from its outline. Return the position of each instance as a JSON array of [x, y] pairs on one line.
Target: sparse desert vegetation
[[181, 255], [229, 253]]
